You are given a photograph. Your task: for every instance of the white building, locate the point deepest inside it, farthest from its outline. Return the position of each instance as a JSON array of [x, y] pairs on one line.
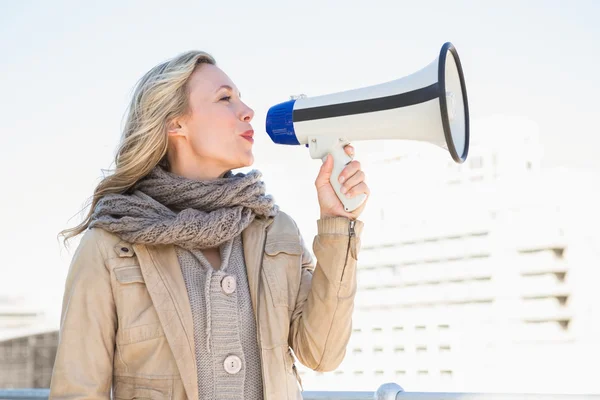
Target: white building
[[15, 313], [475, 277]]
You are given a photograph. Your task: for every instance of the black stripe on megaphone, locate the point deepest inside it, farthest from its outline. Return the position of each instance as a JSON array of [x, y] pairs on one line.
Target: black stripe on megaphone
[[370, 105]]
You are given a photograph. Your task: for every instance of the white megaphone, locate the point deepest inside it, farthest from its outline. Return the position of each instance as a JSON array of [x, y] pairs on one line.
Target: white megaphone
[[429, 105]]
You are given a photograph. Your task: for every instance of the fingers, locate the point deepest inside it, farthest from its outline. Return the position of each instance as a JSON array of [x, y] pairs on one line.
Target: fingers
[[353, 181], [350, 169], [349, 149], [352, 177], [358, 189]]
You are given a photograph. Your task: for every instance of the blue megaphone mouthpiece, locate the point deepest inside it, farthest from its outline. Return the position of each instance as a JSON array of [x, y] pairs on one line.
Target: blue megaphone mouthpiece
[[280, 123]]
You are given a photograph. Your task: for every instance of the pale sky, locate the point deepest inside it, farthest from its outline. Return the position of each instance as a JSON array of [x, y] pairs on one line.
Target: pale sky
[[68, 69]]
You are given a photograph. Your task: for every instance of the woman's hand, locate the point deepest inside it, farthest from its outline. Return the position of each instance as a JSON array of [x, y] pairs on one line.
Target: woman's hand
[[353, 182]]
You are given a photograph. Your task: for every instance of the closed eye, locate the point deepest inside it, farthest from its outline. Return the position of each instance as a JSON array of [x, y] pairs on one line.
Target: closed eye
[[227, 89]]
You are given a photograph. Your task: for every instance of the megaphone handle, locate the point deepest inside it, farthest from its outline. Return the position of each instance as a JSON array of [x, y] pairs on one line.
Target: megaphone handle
[[340, 160]]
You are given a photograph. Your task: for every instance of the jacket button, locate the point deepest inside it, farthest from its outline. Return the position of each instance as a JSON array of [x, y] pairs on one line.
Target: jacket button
[[228, 284], [233, 365]]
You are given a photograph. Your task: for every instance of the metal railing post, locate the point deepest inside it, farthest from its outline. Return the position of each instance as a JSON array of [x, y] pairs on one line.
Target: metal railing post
[[388, 391]]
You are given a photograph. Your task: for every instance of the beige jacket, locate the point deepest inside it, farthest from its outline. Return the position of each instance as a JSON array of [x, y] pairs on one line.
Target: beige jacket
[[127, 324]]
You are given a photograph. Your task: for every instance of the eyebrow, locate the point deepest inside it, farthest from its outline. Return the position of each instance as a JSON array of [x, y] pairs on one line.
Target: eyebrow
[[230, 88]]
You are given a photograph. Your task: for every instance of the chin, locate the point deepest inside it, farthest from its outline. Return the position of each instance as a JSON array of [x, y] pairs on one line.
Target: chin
[[249, 159], [246, 161], [249, 163]]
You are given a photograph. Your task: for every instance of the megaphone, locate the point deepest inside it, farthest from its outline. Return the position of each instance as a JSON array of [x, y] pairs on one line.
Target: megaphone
[[429, 105]]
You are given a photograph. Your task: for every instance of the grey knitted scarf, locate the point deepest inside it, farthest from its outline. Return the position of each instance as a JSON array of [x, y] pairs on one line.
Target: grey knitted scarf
[[165, 208]]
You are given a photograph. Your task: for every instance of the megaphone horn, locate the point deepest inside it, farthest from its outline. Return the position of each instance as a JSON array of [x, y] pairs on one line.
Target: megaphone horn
[[429, 105]]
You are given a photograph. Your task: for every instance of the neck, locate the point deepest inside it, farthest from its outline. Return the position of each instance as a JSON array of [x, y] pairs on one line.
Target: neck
[[197, 171]]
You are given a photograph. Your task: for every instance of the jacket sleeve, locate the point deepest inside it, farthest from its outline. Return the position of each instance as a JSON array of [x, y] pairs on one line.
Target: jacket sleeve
[[84, 360], [321, 322]]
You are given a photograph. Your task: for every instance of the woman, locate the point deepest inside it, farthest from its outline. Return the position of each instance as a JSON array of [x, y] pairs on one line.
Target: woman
[[189, 282]]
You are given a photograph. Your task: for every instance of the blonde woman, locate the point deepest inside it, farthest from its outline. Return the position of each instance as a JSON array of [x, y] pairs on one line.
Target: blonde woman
[[189, 282]]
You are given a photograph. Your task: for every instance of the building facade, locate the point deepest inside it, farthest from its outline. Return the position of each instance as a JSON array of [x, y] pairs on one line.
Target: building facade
[[475, 277]]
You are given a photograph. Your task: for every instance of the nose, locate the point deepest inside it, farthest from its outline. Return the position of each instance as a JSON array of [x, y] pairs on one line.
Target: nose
[[247, 113]]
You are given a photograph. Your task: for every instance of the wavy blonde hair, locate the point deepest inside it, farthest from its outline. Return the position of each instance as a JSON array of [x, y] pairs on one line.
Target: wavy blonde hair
[[159, 96]]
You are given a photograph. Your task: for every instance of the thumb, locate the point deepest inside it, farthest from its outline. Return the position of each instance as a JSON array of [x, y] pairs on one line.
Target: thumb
[[325, 172]]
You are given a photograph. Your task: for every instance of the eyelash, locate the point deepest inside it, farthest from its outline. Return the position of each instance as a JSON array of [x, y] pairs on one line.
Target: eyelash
[[226, 98]]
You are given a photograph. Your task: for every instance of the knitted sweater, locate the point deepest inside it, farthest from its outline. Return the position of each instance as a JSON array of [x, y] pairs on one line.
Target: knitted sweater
[[227, 353]]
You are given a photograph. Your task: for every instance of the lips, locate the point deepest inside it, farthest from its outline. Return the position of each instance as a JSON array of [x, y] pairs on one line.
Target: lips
[[249, 135]]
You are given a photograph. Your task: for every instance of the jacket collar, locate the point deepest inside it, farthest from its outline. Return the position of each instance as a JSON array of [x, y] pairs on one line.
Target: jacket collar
[[165, 284]]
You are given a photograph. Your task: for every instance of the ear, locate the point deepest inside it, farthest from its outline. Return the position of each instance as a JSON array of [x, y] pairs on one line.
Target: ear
[[176, 128]]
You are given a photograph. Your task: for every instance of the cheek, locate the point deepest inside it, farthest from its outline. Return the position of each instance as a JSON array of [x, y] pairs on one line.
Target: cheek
[[214, 131]]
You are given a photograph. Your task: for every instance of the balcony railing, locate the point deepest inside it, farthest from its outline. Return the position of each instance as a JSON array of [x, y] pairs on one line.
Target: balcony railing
[[388, 391]]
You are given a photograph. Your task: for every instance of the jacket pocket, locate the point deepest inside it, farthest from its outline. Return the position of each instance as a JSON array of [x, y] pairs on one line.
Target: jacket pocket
[[282, 263], [129, 274], [141, 333], [138, 319], [141, 388]]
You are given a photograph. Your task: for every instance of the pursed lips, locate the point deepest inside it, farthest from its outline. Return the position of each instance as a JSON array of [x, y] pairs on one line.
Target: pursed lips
[[249, 136]]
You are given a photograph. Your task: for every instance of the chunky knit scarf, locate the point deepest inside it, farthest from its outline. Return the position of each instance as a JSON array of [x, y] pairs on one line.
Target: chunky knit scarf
[[165, 208]]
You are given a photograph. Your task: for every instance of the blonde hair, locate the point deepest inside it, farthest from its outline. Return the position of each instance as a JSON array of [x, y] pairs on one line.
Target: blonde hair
[[159, 96]]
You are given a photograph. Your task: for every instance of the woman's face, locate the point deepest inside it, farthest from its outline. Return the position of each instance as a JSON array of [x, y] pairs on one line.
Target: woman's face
[[218, 133]]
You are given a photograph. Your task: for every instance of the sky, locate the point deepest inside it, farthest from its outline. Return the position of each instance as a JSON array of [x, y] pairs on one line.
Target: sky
[[68, 70]]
